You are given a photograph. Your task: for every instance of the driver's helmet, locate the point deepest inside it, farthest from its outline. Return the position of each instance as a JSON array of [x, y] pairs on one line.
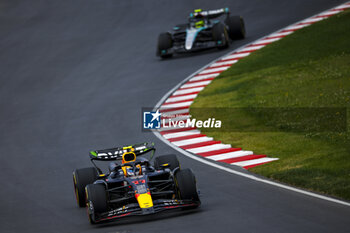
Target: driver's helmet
[[128, 157], [199, 24], [130, 171], [197, 15]]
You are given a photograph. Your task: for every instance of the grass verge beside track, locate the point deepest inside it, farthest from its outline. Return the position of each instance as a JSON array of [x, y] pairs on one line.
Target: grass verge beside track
[[309, 68]]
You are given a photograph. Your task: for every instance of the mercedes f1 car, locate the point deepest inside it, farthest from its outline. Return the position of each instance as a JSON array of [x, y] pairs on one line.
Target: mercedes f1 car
[[133, 186], [203, 30]]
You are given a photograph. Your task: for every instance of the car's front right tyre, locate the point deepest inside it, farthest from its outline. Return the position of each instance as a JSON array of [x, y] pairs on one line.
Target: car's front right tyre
[[165, 42], [236, 28]]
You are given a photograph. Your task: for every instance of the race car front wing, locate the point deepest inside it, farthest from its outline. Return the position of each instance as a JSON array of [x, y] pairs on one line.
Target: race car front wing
[[180, 47], [134, 209]]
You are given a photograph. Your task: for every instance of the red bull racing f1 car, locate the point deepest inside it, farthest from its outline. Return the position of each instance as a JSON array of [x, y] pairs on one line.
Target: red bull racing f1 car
[[203, 30], [133, 186]]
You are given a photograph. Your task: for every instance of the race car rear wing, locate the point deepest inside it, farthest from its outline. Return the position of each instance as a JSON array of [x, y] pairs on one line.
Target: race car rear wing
[[117, 152], [210, 13]]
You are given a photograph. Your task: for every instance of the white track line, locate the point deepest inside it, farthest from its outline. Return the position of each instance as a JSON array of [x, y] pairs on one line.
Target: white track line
[[240, 55], [186, 91], [246, 175], [179, 98], [277, 34], [177, 105], [250, 48], [192, 141], [196, 84], [209, 148], [295, 27], [312, 20], [210, 70], [224, 63], [230, 155], [253, 162], [327, 14], [266, 41], [201, 77]]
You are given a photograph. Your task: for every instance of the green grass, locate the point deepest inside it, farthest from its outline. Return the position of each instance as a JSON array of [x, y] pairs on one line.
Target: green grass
[[309, 68]]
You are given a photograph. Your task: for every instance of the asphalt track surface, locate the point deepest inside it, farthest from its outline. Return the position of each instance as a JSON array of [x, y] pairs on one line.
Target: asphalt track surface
[[74, 75]]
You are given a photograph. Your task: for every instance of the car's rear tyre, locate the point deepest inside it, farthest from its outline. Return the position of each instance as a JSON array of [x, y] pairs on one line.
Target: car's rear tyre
[[220, 36], [236, 28], [186, 186], [96, 200], [165, 42], [170, 159], [81, 178]]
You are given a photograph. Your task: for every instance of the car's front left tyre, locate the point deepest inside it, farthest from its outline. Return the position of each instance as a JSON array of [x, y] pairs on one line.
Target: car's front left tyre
[[220, 36], [81, 178], [96, 201]]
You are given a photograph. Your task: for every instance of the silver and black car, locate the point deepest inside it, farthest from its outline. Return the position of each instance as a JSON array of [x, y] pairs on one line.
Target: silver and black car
[[204, 29]]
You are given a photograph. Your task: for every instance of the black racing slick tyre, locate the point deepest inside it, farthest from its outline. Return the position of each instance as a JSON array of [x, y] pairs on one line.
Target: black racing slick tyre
[[96, 201], [170, 159], [236, 28], [186, 185], [165, 42], [220, 36], [81, 178]]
